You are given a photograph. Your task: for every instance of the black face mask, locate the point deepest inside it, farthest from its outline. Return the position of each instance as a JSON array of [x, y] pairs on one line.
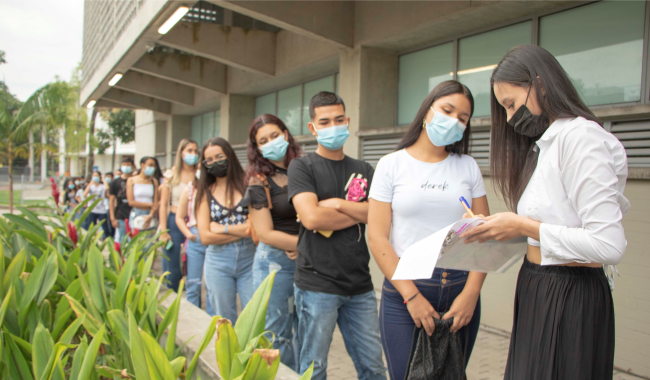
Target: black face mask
[[527, 124], [218, 169]]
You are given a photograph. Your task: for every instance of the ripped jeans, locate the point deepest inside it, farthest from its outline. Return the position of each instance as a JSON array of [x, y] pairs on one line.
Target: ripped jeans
[[281, 316], [357, 318]]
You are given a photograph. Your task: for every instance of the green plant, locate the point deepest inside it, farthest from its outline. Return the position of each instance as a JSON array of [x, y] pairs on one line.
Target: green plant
[[71, 307]]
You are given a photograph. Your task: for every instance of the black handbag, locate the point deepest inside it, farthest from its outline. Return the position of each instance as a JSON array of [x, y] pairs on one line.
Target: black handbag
[[439, 356]]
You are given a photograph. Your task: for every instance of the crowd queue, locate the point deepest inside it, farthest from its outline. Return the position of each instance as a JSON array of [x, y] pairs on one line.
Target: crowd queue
[[304, 216]]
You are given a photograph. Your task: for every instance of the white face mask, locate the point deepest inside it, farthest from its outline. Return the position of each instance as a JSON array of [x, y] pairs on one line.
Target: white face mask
[[198, 174]]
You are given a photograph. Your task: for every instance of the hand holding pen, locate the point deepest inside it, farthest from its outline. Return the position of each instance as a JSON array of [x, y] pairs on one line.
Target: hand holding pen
[[469, 213]]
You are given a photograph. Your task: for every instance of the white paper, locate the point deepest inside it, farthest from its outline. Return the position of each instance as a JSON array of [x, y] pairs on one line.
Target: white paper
[[446, 249]]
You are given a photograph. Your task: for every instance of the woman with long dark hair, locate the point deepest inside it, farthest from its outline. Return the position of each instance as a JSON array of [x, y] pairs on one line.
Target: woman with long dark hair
[[270, 150], [221, 217], [415, 193], [177, 178], [564, 175]]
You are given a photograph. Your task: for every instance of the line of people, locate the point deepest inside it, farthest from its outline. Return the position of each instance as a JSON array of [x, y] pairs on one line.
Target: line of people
[[558, 170]]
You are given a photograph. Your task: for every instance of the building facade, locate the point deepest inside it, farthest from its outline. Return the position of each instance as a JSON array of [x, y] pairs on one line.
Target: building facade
[[226, 62]]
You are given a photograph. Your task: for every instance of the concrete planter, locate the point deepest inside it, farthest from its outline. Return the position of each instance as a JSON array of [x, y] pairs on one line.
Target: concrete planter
[[193, 322]]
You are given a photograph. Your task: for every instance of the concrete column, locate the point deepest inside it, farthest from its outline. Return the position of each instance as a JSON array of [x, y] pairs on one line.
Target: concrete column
[[169, 147], [368, 86], [145, 134], [31, 156], [237, 113], [62, 151], [43, 154]]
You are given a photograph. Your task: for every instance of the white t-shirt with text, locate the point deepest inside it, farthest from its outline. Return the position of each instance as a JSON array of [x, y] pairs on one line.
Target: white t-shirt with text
[[424, 197]]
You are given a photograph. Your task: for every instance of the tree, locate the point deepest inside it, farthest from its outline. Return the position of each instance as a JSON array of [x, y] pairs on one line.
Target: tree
[[14, 126], [121, 125], [2, 57]]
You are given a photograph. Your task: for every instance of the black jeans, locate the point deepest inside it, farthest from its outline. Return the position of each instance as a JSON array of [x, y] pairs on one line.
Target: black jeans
[[398, 331]]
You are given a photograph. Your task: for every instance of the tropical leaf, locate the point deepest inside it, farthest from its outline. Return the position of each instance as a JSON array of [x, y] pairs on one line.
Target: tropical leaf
[[71, 331], [143, 278], [70, 268], [15, 268], [61, 321], [252, 319], [46, 314], [96, 279], [55, 360], [227, 347], [27, 225], [204, 343], [171, 337], [138, 355], [90, 324], [17, 365], [88, 363], [42, 346], [123, 280], [119, 325], [5, 305], [40, 282], [78, 358], [263, 365], [159, 367], [88, 298], [178, 365]]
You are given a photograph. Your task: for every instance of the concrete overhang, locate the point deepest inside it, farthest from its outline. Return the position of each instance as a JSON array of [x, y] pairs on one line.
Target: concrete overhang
[[139, 36]]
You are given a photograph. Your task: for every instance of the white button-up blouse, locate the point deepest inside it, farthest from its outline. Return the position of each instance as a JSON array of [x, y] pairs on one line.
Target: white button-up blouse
[[576, 191]]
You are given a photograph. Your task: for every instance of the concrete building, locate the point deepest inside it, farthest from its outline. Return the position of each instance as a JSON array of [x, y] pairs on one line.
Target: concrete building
[[226, 62]]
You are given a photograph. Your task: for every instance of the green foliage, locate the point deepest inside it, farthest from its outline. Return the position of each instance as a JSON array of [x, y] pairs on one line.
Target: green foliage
[[80, 310], [121, 126]]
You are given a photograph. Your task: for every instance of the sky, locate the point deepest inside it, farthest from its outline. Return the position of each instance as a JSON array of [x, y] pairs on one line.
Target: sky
[[41, 39]]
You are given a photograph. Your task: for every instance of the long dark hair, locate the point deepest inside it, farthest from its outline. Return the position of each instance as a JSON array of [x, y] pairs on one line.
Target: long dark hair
[[234, 178], [257, 164], [512, 156], [446, 88]]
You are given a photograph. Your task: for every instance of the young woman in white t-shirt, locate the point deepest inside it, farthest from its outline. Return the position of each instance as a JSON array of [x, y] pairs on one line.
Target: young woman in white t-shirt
[[98, 213], [415, 192]]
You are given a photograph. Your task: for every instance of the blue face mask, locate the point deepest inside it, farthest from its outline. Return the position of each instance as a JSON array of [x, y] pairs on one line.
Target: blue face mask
[[108, 181], [127, 169], [96, 179], [71, 186], [275, 149], [149, 170], [444, 130], [191, 159], [333, 138]]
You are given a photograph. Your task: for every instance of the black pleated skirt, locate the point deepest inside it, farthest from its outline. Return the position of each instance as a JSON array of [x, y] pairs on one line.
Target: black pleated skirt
[[563, 325]]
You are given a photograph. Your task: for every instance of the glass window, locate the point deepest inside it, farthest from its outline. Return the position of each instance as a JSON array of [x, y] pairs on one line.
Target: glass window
[[478, 56], [289, 108], [196, 130], [600, 46], [265, 104], [312, 88], [208, 126], [217, 123], [419, 73]]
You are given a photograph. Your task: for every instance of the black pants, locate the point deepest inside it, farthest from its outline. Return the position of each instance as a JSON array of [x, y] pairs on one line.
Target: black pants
[[563, 324]]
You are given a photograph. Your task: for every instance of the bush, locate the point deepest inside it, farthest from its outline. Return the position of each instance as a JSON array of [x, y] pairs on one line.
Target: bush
[[74, 307]]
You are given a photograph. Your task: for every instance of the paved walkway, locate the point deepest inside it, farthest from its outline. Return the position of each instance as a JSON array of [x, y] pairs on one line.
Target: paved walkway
[[488, 361]]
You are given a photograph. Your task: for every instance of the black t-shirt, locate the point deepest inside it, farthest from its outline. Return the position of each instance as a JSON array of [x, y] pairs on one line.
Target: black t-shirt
[[283, 213], [338, 264], [118, 189]]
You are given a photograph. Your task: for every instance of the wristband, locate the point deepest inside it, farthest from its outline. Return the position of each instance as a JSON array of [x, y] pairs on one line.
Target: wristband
[[410, 299], [226, 229]]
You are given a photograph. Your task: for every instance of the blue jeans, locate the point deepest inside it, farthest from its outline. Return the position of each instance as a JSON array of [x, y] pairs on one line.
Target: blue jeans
[[281, 318], [172, 263], [398, 331], [195, 252], [228, 272], [96, 219], [120, 231], [356, 316]]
